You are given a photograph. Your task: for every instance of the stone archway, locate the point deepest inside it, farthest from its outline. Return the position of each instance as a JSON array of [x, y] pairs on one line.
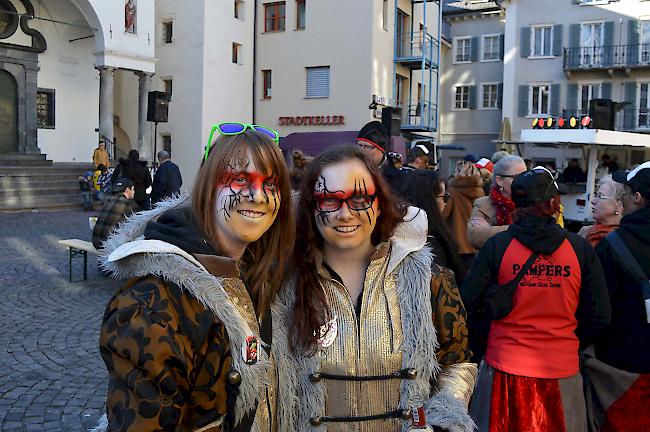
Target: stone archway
[[8, 113]]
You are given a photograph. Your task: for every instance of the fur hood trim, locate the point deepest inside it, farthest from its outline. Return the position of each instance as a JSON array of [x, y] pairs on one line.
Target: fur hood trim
[[409, 236], [150, 246]]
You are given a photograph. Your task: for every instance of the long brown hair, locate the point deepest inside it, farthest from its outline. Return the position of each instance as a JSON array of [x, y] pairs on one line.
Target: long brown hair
[[265, 261], [310, 309]]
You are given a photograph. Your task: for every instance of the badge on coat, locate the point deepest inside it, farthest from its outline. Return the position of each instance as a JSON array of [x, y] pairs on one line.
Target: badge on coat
[[328, 333], [249, 350]]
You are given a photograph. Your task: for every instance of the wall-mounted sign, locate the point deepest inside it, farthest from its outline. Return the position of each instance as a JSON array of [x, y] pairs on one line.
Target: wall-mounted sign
[[312, 120]]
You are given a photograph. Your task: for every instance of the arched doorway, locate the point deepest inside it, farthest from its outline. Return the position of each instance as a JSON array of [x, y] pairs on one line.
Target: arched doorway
[[8, 113]]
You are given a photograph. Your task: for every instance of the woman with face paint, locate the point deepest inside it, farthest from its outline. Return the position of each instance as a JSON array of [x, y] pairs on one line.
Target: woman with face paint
[[187, 340], [375, 330]]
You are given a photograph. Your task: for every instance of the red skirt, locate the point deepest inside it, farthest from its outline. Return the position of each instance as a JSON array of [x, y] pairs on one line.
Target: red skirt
[[503, 402]]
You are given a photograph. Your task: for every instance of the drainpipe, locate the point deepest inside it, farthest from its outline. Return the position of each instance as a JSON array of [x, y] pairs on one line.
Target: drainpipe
[[254, 57]]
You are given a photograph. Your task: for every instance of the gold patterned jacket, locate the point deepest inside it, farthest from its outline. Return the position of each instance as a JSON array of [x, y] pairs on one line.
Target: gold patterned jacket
[[172, 339], [399, 356]]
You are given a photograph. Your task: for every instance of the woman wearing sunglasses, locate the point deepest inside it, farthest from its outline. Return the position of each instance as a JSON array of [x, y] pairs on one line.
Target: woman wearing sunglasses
[[426, 190], [367, 316], [607, 211], [186, 339]]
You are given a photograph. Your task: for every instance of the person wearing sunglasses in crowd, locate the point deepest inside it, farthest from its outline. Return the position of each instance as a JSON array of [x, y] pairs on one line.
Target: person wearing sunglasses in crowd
[[185, 340], [425, 189], [492, 214], [537, 291], [367, 316], [607, 211]]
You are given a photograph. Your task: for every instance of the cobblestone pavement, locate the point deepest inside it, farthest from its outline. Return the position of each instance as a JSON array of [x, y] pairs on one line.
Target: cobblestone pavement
[[51, 374]]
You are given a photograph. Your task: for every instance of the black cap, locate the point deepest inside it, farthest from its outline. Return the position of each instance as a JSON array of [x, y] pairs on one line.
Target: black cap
[[638, 179], [533, 187], [376, 133], [122, 184], [419, 150]]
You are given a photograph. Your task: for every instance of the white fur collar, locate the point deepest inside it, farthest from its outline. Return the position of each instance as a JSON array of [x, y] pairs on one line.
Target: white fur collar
[[409, 236]]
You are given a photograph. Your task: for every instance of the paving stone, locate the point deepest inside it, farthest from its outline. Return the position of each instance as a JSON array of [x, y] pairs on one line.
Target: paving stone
[[50, 367]]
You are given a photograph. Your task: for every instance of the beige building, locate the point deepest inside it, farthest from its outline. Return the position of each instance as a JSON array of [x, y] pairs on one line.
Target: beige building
[[324, 69]]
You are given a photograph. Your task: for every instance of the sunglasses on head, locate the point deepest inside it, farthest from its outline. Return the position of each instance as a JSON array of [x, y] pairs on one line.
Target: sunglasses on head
[[236, 128]]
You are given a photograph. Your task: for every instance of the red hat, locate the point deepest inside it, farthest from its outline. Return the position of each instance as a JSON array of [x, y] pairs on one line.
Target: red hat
[[485, 163]]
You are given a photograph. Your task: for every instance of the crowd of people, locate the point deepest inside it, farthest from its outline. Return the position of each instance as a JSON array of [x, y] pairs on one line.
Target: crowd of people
[[351, 294]]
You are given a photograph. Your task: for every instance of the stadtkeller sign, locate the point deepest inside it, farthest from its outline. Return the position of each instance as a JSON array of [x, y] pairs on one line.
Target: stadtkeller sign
[[312, 120]]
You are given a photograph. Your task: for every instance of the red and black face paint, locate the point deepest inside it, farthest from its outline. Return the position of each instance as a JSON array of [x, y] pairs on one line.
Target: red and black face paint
[[359, 200], [248, 184]]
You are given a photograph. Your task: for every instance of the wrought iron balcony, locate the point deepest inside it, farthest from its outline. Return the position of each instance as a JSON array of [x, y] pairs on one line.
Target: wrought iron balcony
[[416, 49], [607, 57], [419, 116]]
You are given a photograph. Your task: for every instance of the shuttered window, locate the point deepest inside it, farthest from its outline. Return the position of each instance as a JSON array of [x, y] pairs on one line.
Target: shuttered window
[[318, 82]]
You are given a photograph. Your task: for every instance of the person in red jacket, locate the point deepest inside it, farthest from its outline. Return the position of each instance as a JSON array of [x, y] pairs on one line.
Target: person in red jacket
[[542, 294]]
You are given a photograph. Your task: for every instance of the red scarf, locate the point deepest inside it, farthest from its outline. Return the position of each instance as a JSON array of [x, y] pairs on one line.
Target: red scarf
[[597, 232], [504, 206]]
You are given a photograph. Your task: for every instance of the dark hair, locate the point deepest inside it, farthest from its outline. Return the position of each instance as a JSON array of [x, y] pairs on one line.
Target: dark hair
[[310, 309], [265, 260], [547, 208], [420, 189], [102, 168]]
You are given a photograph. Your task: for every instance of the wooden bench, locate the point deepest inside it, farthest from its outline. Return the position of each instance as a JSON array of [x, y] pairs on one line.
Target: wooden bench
[[78, 248]]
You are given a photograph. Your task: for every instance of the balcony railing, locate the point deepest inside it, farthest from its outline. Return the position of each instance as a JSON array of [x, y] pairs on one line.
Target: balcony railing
[[419, 116], [607, 57], [633, 119], [416, 46]]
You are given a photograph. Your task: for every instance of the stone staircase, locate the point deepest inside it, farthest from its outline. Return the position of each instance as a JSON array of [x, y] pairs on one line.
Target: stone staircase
[[30, 181]]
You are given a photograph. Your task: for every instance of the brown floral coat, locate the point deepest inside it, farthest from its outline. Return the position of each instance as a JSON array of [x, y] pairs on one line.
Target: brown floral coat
[[167, 358]]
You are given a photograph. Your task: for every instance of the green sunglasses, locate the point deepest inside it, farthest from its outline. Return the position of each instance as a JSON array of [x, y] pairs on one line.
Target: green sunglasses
[[236, 128]]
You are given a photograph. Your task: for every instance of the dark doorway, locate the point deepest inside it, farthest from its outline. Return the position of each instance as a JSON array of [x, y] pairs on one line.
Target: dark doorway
[[8, 113]]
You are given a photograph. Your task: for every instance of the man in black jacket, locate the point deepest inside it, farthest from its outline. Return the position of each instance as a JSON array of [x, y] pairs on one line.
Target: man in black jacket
[[167, 181], [373, 139], [622, 354]]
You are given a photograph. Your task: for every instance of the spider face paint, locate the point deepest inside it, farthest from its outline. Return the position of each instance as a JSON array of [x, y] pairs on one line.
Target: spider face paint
[[346, 207], [247, 203]]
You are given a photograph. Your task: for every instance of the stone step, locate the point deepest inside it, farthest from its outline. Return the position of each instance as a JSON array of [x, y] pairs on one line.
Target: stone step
[[25, 187], [41, 202], [22, 156], [65, 189], [76, 169], [23, 159], [27, 182]]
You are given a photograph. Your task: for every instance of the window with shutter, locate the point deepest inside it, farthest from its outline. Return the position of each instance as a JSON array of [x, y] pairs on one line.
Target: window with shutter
[[462, 50], [587, 92], [491, 48], [461, 97], [489, 95], [541, 41], [539, 100], [318, 82]]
